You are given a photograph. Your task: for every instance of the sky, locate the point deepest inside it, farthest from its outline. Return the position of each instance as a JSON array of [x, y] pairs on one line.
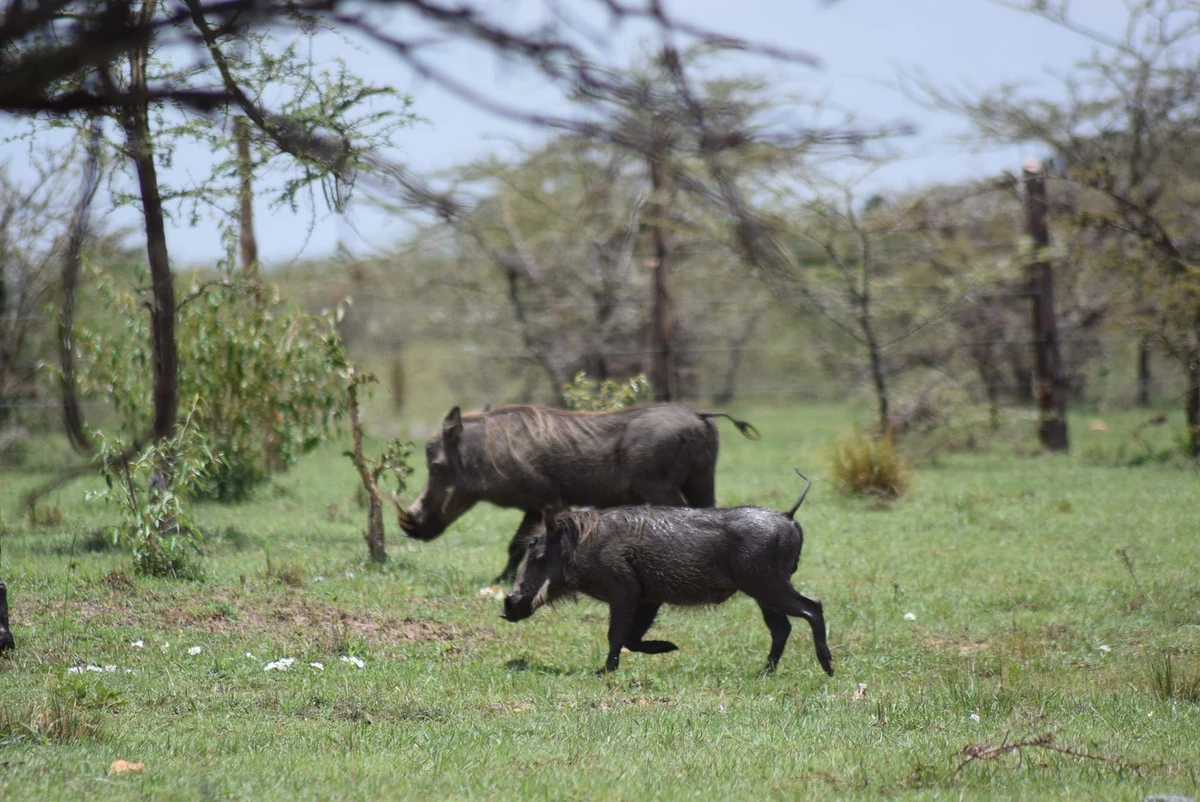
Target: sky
[[864, 47]]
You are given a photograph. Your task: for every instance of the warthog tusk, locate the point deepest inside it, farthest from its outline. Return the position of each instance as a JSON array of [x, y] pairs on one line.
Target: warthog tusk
[[406, 520], [542, 596]]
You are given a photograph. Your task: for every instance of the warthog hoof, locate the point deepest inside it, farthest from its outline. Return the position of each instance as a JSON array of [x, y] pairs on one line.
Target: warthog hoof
[[652, 646]]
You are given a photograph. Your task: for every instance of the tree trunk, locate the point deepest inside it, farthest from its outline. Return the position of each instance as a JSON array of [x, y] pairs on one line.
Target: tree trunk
[[662, 322], [879, 381], [1193, 392], [1144, 376], [4, 358], [370, 479], [6, 638], [991, 377], [737, 350], [1050, 386], [249, 246], [72, 259], [162, 304], [398, 382]]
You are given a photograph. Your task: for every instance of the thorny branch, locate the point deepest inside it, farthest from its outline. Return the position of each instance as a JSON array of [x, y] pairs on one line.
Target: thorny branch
[[984, 751]]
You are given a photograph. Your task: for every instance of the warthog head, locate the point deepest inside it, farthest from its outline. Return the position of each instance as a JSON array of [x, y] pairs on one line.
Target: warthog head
[[542, 577], [443, 499]]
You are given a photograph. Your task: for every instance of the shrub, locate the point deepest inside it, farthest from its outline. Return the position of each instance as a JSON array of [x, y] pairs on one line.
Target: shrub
[[609, 395], [866, 465], [157, 527], [261, 366]]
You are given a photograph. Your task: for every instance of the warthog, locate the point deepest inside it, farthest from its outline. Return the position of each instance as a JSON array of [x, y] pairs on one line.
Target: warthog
[[530, 458], [639, 558]]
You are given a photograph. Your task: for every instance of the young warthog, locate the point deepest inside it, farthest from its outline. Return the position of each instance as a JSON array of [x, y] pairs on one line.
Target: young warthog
[[639, 558], [531, 458]]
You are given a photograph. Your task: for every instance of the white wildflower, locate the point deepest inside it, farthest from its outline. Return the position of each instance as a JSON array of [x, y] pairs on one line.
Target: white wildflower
[[283, 664], [137, 644], [975, 717], [165, 647], [319, 578], [493, 591], [195, 650], [909, 617], [1104, 647], [88, 667], [250, 655], [318, 666], [349, 574], [355, 661]]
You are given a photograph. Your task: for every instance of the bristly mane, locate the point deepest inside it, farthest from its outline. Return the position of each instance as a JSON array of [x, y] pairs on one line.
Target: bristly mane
[[523, 430], [581, 524]]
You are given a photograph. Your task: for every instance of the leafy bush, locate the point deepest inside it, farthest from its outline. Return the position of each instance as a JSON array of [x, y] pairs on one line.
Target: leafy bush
[[866, 465], [157, 527], [609, 395], [260, 366]]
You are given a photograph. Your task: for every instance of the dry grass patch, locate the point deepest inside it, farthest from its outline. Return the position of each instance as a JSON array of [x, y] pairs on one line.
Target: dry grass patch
[[869, 466]]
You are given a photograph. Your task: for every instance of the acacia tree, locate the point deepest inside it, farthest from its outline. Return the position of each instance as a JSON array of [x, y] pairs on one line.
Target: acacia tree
[[851, 265], [561, 227], [323, 123], [1125, 136]]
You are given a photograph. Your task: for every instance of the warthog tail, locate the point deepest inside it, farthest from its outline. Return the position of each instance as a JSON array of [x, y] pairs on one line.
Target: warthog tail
[[745, 428], [807, 483]]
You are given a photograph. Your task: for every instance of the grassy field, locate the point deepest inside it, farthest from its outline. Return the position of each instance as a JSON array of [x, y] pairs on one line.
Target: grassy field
[[990, 641]]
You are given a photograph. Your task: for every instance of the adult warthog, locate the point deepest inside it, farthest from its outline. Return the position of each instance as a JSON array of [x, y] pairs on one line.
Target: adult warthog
[[531, 458]]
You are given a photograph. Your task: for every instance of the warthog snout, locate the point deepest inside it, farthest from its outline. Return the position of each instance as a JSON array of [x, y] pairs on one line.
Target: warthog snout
[[516, 608]]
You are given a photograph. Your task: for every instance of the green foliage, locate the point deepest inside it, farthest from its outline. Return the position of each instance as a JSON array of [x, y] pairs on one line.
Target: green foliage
[[323, 125], [866, 465], [260, 365], [151, 489], [609, 395], [397, 458]]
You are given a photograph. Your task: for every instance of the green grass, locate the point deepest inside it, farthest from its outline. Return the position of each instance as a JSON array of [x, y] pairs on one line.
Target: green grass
[[1025, 616]]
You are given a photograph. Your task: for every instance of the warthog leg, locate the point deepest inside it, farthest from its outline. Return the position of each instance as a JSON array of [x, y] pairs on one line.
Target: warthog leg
[[620, 623], [782, 598], [781, 628], [516, 547], [643, 618]]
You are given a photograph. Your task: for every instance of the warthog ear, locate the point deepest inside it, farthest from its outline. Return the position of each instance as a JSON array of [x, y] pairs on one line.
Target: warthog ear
[[452, 423]]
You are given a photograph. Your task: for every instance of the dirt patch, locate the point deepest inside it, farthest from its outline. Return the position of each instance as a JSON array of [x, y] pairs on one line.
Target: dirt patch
[[309, 618], [287, 616], [963, 647]]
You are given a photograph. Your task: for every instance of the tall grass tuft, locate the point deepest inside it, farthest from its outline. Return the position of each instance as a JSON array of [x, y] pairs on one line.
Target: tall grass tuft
[[59, 718], [869, 466], [1170, 683]]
